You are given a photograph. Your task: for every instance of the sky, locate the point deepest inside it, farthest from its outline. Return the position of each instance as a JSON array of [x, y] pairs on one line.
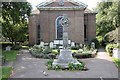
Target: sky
[[91, 3]]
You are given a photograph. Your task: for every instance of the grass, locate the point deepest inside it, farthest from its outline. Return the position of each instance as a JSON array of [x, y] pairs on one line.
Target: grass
[[117, 62], [6, 71], [10, 55]]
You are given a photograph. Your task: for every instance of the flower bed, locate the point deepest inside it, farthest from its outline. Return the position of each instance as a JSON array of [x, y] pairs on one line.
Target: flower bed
[[40, 52], [85, 54], [48, 53], [71, 66]]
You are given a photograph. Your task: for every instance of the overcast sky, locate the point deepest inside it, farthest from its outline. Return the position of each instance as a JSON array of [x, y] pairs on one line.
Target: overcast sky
[[91, 3]]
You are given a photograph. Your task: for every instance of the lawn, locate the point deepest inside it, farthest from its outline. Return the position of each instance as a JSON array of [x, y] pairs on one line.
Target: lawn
[[6, 71], [117, 62], [10, 55]]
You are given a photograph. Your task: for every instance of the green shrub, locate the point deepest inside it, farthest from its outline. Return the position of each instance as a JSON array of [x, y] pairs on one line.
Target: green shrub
[[96, 43], [103, 43], [71, 66], [83, 54], [86, 47], [49, 64], [79, 66], [57, 67], [75, 48], [37, 51], [100, 39], [109, 48], [51, 56], [47, 50], [117, 62], [55, 51], [16, 47]]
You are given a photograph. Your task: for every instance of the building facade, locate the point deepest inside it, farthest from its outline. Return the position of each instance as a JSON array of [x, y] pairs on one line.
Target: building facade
[[44, 25]]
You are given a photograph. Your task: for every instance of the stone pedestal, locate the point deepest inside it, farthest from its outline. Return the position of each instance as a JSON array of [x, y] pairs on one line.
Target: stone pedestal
[[65, 56], [64, 59]]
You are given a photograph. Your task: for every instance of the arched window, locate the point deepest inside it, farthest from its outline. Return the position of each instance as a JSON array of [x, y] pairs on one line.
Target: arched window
[[59, 28]]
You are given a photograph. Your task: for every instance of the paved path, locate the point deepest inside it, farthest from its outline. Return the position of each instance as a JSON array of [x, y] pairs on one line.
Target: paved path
[[29, 67]]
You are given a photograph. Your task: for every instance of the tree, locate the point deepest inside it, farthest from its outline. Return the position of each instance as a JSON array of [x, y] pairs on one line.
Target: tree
[[15, 20], [107, 17], [112, 36]]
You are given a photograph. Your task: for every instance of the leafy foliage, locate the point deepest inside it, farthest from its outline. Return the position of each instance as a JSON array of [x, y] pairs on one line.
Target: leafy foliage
[[112, 36], [14, 20], [75, 48], [57, 67], [96, 43], [49, 64], [37, 51], [117, 62], [107, 17], [40, 52], [47, 50], [71, 66], [109, 48]]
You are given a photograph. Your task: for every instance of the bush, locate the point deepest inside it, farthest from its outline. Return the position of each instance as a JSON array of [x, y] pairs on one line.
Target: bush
[[112, 36], [117, 62], [75, 48], [109, 48], [56, 52], [100, 39], [83, 55], [96, 43], [47, 50], [37, 51], [72, 66], [16, 47], [49, 64], [103, 43], [57, 67], [51, 56], [86, 47]]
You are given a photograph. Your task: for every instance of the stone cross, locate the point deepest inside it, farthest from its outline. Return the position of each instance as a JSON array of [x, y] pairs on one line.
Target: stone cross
[[65, 22]]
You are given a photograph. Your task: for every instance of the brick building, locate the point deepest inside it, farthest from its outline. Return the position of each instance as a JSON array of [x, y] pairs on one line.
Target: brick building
[[44, 23]]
